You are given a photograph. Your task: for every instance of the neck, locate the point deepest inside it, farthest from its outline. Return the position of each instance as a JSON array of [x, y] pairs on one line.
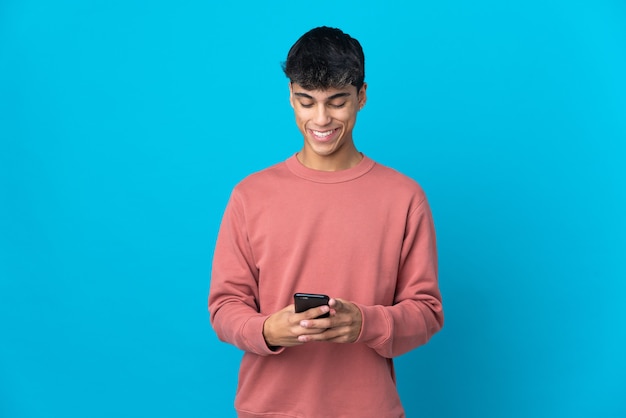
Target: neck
[[333, 162]]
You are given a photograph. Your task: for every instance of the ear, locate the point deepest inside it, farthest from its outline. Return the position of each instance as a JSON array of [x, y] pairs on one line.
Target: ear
[[362, 96], [291, 94]]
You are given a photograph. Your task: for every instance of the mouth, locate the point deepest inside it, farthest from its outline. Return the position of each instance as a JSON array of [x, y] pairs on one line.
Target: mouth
[[323, 136]]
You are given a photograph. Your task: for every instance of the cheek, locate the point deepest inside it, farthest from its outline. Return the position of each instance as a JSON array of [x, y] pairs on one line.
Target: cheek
[[348, 118], [347, 114], [302, 118]]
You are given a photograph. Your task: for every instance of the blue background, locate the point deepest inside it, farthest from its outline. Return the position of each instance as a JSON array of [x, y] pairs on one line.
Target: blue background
[[125, 124]]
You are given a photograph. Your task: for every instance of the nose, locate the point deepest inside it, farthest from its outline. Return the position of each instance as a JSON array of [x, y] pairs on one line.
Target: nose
[[322, 117]]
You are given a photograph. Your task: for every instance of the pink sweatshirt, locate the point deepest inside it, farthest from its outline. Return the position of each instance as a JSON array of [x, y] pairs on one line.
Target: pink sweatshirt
[[365, 235]]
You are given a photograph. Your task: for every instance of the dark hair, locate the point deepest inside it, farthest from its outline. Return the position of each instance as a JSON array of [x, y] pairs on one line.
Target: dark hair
[[325, 58]]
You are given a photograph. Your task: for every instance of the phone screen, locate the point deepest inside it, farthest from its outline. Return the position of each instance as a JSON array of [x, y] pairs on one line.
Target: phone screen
[[306, 301]]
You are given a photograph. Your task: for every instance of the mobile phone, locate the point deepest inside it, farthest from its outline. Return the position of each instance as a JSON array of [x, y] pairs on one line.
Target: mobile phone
[[306, 301]]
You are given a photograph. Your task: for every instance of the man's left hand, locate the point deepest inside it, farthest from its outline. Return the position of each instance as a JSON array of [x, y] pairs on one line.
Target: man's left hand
[[343, 325]]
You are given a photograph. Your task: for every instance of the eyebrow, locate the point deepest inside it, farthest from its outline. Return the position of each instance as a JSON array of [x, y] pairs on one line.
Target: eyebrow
[[334, 96]]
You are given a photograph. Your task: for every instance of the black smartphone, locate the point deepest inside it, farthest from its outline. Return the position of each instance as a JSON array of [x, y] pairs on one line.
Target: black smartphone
[[306, 301]]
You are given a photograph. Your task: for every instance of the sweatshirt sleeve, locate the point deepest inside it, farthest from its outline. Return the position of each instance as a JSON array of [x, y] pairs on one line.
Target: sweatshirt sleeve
[[417, 313], [234, 292]]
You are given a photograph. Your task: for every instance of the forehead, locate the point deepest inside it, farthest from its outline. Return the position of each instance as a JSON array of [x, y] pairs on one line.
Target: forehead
[[322, 94]]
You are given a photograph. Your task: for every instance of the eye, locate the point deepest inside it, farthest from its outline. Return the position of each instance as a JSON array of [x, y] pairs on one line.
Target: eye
[[337, 105], [306, 105]]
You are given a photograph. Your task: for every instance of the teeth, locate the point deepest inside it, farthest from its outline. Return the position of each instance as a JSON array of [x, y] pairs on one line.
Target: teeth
[[322, 134]]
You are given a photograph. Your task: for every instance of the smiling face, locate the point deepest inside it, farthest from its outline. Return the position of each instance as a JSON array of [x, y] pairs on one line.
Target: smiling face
[[326, 119]]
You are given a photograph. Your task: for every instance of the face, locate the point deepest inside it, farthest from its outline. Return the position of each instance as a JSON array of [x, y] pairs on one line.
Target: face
[[326, 119]]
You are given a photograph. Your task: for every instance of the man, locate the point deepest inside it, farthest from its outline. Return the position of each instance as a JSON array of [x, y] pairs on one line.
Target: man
[[327, 220]]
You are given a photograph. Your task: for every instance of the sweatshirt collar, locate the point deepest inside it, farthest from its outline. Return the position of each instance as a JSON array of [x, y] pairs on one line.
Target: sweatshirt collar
[[318, 176]]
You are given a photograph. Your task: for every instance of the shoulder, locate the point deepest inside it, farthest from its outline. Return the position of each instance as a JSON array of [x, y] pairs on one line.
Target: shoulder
[[272, 171], [260, 182], [396, 181]]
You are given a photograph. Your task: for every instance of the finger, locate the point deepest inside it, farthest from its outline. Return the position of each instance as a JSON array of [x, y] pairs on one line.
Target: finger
[[320, 335], [310, 331], [316, 312], [337, 304], [322, 323], [338, 335]]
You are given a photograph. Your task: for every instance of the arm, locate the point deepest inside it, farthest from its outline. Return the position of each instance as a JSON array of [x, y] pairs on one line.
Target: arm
[[234, 294], [233, 297], [417, 313]]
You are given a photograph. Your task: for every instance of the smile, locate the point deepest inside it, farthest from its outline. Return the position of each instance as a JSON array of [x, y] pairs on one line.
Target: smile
[[324, 136]]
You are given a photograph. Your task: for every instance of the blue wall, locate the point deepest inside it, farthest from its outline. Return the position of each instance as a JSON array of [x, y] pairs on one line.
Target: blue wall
[[124, 125]]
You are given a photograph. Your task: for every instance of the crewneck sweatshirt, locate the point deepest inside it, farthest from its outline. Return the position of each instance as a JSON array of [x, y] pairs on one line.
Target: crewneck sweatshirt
[[364, 234]]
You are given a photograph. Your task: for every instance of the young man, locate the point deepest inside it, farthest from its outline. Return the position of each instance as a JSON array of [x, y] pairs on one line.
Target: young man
[[327, 220]]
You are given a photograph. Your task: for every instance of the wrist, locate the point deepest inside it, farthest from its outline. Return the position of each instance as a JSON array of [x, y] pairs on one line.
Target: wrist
[[267, 336]]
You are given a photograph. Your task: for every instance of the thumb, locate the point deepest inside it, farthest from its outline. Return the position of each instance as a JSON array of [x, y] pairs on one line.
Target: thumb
[[335, 303]]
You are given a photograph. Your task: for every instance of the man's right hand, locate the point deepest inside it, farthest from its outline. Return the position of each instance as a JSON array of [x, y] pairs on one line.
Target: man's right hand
[[282, 328]]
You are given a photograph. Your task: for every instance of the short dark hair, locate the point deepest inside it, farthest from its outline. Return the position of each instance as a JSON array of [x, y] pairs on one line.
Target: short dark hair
[[326, 58]]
